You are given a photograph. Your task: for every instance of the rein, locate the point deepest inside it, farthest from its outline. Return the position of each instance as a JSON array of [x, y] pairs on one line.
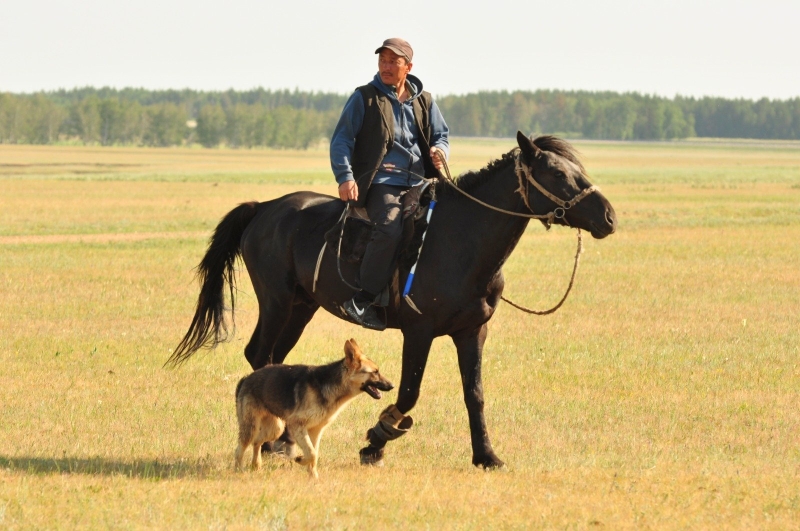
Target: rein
[[522, 170], [558, 213], [525, 176]]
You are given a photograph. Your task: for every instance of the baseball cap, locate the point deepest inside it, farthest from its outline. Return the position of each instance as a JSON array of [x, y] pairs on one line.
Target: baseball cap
[[398, 46]]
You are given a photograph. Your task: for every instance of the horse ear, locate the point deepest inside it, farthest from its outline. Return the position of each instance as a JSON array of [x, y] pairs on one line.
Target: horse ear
[[527, 146]]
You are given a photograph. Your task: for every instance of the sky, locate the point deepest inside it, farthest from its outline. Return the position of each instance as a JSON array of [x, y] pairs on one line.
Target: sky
[[733, 49]]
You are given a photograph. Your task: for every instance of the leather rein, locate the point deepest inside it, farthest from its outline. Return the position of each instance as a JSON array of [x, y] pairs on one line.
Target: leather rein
[[525, 176]]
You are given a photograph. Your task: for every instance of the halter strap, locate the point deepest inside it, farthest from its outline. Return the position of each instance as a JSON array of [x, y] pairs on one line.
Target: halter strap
[[525, 175], [563, 206], [521, 170]]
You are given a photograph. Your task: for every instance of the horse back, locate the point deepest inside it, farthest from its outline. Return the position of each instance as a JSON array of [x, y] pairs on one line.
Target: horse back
[[286, 235]]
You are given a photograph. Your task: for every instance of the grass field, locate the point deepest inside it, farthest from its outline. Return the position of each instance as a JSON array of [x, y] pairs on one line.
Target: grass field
[[664, 394]]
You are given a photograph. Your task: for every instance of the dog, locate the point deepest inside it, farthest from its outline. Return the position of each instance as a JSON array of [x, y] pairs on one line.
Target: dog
[[304, 399]]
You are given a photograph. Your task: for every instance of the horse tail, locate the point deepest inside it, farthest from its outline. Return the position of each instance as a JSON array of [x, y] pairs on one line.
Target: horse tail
[[216, 269]]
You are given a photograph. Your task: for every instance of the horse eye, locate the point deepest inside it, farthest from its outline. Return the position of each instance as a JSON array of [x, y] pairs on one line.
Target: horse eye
[[560, 175]]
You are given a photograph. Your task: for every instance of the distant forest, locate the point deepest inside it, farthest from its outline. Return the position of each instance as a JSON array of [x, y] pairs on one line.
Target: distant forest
[[295, 119]]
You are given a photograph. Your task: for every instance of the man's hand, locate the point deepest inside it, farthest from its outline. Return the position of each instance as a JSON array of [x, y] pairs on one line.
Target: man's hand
[[348, 191], [437, 162]]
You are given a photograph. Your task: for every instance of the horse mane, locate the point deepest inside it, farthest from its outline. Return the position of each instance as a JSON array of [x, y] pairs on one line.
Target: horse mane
[[560, 147], [471, 180]]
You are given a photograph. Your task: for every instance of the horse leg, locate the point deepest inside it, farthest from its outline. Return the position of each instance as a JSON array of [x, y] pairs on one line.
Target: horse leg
[[470, 351], [272, 341], [416, 346], [273, 316], [302, 312]]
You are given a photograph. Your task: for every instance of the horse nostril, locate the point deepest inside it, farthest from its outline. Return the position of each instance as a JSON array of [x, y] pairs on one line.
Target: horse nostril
[[610, 218]]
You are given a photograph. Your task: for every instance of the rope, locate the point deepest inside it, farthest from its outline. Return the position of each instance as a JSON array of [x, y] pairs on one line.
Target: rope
[[521, 170], [449, 180], [569, 288], [563, 206], [343, 219]]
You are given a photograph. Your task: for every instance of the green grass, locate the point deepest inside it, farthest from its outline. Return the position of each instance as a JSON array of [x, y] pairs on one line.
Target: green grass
[[662, 395]]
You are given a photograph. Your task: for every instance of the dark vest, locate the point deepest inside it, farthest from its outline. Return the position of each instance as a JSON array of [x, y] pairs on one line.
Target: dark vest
[[376, 137]]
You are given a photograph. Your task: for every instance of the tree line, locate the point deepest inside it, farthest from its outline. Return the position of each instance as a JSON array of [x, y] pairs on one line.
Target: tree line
[[296, 119]]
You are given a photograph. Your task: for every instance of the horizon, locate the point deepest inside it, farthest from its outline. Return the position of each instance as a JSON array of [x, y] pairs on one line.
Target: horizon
[[346, 94]]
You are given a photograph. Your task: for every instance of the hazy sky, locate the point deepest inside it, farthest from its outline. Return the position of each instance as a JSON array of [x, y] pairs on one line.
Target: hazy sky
[[730, 48]]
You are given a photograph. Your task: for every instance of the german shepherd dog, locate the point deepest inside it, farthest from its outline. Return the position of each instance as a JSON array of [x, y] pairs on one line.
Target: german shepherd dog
[[302, 398]]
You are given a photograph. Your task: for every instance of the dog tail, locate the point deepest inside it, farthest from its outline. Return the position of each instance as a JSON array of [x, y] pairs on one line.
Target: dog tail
[[209, 327]]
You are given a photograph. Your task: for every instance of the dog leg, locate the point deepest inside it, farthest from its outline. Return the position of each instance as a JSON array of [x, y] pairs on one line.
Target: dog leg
[[309, 458], [256, 464], [269, 428], [247, 430], [315, 434], [239, 457]]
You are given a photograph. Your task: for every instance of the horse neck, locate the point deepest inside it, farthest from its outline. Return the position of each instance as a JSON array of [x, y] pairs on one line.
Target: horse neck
[[494, 234]]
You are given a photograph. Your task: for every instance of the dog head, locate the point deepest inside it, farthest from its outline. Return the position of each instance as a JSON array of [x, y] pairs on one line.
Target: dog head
[[362, 372]]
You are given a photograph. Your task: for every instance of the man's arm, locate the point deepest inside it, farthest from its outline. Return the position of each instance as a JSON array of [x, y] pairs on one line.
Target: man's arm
[[343, 141], [440, 136]]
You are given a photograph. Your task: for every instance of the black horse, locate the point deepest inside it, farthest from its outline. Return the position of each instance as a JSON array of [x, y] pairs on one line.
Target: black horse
[[459, 277]]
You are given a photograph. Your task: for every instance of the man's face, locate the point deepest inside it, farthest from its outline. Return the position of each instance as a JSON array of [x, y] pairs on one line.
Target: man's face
[[393, 68]]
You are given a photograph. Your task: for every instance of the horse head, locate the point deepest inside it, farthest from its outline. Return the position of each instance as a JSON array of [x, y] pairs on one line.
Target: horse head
[[554, 180]]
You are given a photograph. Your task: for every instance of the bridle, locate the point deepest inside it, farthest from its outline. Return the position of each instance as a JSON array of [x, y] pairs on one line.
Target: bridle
[[561, 210], [525, 176]]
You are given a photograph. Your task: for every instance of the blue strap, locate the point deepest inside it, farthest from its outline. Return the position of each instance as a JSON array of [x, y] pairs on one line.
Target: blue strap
[[410, 279]]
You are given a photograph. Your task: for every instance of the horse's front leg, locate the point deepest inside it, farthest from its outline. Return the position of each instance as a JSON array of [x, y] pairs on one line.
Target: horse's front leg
[[470, 352], [393, 421]]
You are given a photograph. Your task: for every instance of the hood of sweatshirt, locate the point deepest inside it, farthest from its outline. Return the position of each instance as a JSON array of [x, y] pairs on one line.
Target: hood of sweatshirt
[[415, 87]]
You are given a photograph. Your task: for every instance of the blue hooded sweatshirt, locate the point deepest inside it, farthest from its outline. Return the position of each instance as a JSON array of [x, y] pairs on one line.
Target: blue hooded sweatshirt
[[405, 153]]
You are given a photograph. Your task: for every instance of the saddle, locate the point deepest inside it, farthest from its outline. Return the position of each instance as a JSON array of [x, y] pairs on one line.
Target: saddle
[[358, 229]]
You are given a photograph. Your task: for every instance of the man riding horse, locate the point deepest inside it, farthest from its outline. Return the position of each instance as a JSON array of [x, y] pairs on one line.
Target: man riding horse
[[385, 141]]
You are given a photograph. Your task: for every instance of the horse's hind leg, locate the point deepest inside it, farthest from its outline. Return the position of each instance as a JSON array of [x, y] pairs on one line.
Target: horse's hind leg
[[470, 352], [281, 322], [302, 313], [265, 348], [273, 316]]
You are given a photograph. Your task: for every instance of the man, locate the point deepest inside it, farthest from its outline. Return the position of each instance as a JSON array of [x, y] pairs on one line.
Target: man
[[387, 137]]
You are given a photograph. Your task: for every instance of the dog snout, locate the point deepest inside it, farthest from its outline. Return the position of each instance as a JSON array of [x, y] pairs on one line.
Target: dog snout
[[384, 385]]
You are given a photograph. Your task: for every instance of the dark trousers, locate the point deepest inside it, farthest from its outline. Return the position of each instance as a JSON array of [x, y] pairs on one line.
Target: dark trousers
[[384, 208]]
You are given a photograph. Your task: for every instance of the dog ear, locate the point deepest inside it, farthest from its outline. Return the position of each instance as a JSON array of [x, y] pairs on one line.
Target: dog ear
[[352, 354]]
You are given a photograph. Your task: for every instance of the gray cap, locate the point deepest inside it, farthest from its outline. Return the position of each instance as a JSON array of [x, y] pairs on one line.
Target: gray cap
[[398, 46]]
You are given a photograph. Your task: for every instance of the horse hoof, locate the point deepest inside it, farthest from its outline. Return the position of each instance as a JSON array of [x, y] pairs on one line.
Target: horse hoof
[[371, 456], [283, 449], [267, 448], [488, 462]]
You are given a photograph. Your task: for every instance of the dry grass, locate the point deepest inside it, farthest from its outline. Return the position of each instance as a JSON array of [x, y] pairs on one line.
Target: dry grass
[[662, 395]]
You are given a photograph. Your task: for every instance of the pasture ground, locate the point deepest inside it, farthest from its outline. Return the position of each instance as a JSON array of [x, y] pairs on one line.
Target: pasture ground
[[664, 394]]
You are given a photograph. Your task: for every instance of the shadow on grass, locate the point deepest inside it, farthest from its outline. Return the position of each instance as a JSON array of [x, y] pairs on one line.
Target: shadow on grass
[[97, 466]]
